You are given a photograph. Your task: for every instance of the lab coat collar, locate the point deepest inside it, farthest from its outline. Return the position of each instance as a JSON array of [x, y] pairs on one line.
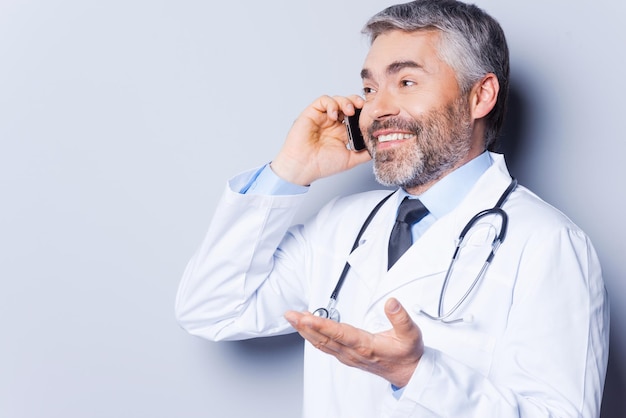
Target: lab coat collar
[[431, 254]]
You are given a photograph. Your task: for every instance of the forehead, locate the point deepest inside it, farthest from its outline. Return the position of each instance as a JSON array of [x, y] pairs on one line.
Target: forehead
[[420, 47]]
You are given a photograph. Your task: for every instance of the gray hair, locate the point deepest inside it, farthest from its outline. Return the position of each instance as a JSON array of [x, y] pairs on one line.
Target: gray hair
[[472, 43]]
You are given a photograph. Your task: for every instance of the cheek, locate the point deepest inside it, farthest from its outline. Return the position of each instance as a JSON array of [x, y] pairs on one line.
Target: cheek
[[417, 113]]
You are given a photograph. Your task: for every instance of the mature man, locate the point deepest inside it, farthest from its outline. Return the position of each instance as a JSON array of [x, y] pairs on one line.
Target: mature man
[[525, 334]]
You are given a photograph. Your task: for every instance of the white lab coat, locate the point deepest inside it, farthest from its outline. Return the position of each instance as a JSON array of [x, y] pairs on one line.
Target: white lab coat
[[538, 342]]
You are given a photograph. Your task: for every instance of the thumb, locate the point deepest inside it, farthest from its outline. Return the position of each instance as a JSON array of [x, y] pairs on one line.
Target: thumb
[[399, 318]]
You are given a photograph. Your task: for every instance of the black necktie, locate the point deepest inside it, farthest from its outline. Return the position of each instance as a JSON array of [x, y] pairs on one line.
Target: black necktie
[[410, 212]]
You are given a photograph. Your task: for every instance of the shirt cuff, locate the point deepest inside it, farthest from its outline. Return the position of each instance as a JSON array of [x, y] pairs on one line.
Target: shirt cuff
[[265, 182]]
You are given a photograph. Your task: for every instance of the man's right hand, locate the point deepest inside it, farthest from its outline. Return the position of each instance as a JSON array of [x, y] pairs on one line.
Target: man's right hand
[[316, 144]]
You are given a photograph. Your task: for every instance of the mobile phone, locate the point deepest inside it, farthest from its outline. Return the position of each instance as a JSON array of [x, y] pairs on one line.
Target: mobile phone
[[356, 142]]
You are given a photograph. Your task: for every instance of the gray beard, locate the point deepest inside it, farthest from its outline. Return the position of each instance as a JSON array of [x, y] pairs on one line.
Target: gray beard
[[443, 139]]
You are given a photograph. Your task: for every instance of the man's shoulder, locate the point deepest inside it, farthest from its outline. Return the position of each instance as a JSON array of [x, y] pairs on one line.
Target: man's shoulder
[[528, 206]]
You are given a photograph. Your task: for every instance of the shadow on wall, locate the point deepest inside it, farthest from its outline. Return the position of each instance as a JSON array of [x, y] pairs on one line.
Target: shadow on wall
[[269, 348], [514, 141], [517, 145]]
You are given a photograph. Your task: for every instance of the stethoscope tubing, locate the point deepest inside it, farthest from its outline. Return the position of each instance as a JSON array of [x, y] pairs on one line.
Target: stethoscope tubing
[[346, 267], [331, 312]]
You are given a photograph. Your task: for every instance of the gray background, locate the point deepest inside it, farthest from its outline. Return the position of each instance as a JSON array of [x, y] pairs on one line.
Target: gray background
[[120, 122]]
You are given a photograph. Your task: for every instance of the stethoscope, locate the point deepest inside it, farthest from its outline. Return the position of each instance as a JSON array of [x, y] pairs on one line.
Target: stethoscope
[[331, 312]]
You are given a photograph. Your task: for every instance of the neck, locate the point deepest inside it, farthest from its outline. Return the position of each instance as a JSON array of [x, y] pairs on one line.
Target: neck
[[420, 189]]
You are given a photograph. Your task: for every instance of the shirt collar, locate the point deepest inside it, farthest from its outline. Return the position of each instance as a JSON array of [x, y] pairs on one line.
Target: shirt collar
[[448, 192]]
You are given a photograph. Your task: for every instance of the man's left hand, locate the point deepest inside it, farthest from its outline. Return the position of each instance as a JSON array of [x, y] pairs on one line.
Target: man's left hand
[[392, 354]]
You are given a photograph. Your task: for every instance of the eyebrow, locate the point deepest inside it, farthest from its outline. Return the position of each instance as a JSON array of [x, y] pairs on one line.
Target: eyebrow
[[392, 68]]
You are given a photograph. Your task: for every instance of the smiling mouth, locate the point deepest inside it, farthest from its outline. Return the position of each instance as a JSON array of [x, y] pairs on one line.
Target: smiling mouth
[[394, 137]]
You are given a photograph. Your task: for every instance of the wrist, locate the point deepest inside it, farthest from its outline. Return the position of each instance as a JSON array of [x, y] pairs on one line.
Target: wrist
[[291, 172]]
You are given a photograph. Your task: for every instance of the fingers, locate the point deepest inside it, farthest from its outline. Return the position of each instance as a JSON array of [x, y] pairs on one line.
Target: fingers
[[388, 354], [315, 146], [320, 331], [349, 104], [337, 107], [324, 334], [400, 320]]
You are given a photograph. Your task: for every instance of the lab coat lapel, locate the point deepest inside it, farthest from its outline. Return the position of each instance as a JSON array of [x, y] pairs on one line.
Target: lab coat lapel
[[368, 262], [424, 258], [430, 256]]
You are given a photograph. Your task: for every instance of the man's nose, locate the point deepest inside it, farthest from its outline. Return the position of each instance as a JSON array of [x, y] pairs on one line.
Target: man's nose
[[382, 104]]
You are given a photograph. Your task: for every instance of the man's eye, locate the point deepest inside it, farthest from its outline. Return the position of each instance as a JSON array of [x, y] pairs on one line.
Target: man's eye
[[407, 83], [368, 90]]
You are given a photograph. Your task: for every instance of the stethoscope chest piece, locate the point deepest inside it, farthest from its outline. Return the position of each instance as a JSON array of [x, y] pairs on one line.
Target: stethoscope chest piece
[[328, 313]]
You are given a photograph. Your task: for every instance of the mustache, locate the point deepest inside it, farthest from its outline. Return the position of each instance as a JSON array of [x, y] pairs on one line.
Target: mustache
[[400, 124]]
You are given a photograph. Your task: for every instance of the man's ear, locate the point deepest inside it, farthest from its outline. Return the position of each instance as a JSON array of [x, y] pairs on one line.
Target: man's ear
[[484, 96]]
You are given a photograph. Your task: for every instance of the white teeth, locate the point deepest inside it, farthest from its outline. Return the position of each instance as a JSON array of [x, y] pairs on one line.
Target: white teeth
[[394, 137]]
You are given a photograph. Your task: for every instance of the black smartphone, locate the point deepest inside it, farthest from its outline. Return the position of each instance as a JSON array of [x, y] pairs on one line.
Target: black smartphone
[[355, 138]]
